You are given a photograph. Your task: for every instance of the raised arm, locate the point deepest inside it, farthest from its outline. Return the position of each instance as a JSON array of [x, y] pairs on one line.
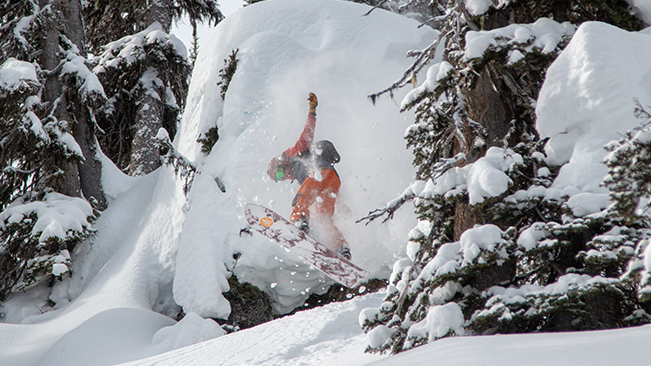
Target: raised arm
[[304, 142], [279, 168], [307, 136]]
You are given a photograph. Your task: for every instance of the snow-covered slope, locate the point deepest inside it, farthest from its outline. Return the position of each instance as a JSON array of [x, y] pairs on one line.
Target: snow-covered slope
[[332, 340], [601, 348], [328, 335], [155, 249]]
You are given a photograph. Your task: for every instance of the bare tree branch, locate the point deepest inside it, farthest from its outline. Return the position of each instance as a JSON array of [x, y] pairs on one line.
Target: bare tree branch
[[375, 7], [389, 211], [640, 112], [423, 58]]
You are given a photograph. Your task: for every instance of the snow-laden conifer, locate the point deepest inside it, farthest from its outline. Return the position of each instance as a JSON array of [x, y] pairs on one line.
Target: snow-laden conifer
[[48, 152], [493, 252], [144, 70]]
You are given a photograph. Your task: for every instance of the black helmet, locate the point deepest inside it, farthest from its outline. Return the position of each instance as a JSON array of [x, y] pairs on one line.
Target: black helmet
[[327, 151]]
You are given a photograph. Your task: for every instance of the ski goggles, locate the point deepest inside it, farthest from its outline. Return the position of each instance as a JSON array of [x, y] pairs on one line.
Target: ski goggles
[[280, 174]]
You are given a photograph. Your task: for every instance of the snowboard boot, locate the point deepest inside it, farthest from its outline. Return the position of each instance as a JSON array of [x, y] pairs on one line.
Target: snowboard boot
[[302, 224], [344, 251]]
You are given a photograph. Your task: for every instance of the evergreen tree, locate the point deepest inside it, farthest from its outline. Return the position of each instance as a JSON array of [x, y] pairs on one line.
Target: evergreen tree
[[506, 260], [145, 73], [49, 103], [48, 151], [630, 186]]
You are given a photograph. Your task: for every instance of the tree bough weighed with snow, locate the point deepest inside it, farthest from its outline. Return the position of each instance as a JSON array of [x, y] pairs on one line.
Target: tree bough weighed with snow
[[145, 72], [50, 124], [492, 253], [630, 187], [48, 151]]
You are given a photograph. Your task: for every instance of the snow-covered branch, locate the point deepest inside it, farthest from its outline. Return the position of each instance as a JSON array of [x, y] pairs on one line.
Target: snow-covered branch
[[183, 167]]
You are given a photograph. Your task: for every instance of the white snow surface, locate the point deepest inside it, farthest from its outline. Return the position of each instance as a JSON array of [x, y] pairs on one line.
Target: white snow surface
[[543, 35], [440, 320], [602, 348], [324, 336], [14, 72], [156, 249], [479, 7], [587, 101]]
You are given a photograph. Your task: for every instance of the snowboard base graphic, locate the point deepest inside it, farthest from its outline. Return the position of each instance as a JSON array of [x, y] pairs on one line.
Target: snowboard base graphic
[[278, 229]]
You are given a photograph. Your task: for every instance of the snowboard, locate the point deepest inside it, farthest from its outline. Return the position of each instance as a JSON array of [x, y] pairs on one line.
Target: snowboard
[[278, 229]]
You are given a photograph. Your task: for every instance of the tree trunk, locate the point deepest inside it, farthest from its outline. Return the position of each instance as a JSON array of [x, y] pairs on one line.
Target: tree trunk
[[68, 183], [486, 105], [145, 156], [90, 170], [465, 217], [85, 177], [159, 11]]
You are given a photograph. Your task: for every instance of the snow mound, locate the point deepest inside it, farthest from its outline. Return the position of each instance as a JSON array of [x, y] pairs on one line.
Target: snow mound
[[58, 216], [328, 335], [286, 49], [440, 321], [129, 330], [586, 101], [14, 72]]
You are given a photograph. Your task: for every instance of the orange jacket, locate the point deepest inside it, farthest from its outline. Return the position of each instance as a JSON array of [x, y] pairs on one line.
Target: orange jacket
[[319, 185]]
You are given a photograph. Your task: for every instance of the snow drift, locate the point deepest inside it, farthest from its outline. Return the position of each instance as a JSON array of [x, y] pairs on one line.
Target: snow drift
[[586, 101]]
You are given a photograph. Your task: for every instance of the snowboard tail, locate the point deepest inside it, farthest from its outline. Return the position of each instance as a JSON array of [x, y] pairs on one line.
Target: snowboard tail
[[278, 229]]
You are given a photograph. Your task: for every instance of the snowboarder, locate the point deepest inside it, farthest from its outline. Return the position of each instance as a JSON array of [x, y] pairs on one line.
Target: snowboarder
[[312, 166]]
